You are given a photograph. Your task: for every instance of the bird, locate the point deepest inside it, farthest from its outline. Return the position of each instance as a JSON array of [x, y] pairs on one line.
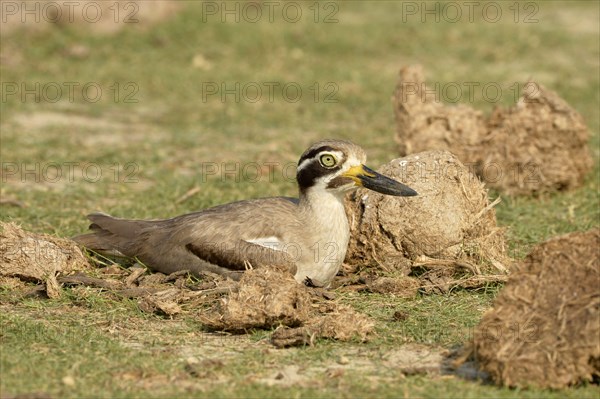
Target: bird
[[307, 236]]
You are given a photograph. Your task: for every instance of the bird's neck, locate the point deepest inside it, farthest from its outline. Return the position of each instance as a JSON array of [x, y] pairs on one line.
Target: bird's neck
[[324, 212]]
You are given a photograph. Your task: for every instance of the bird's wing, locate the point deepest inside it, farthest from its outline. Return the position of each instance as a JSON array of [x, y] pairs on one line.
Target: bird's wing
[[220, 239], [239, 235]]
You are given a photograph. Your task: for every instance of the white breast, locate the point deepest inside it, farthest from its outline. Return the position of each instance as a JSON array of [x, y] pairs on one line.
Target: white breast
[[328, 234]]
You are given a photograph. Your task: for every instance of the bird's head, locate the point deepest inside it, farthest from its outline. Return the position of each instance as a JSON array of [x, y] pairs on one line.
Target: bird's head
[[338, 166]]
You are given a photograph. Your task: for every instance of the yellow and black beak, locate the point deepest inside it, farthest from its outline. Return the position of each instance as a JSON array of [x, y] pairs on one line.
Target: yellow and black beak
[[368, 178]]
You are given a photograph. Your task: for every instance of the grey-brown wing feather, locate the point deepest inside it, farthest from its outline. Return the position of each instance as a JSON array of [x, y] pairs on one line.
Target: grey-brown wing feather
[[211, 240]]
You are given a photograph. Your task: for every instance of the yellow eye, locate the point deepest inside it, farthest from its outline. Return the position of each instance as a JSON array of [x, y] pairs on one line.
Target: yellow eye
[[327, 160]]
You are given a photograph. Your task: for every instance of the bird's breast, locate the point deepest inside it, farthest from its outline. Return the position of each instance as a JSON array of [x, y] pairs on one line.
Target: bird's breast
[[324, 247]]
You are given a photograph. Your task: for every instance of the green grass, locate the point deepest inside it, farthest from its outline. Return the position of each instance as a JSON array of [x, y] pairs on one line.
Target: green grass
[[172, 135]]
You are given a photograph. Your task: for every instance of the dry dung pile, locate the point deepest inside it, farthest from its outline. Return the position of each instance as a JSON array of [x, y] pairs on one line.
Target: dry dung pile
[[544, 327], [447, 234], [268, 298], [424, 123], [38, 257], [264, 299], [538, 145]]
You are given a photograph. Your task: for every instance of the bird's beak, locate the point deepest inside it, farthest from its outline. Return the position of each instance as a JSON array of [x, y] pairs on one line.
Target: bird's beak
[[368, 178]]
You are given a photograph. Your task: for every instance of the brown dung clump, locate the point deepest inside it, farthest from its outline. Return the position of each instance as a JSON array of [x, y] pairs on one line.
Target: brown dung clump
[[538, 145], [447, 234], [38, 257], [424, 123], [544, 327], [265, 298], [268, 298]]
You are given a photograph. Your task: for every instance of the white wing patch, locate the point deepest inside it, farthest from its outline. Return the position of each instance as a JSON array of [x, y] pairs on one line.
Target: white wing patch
[[267, 242]]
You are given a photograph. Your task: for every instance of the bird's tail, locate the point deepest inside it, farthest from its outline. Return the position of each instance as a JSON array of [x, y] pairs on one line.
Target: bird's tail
[[112, 236]]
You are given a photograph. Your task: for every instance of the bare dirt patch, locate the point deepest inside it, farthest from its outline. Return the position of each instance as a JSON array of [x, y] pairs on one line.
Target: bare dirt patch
[[109, 133], [543, 329], [44, 119], [396, 363]]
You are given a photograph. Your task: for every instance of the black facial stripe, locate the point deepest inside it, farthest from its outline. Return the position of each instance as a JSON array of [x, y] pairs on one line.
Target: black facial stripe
[[339, 181], [313, 153], [308, 174]]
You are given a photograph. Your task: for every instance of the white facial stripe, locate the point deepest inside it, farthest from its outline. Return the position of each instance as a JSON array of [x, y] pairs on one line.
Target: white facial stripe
[[338, 156], [303, 164], [267, 242]]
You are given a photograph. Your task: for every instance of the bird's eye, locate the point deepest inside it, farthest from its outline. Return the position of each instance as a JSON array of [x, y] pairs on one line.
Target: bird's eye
[[327, 160]]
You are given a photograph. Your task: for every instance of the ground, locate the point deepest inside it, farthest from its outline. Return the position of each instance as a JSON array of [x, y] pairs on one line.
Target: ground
[[172, 133]]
